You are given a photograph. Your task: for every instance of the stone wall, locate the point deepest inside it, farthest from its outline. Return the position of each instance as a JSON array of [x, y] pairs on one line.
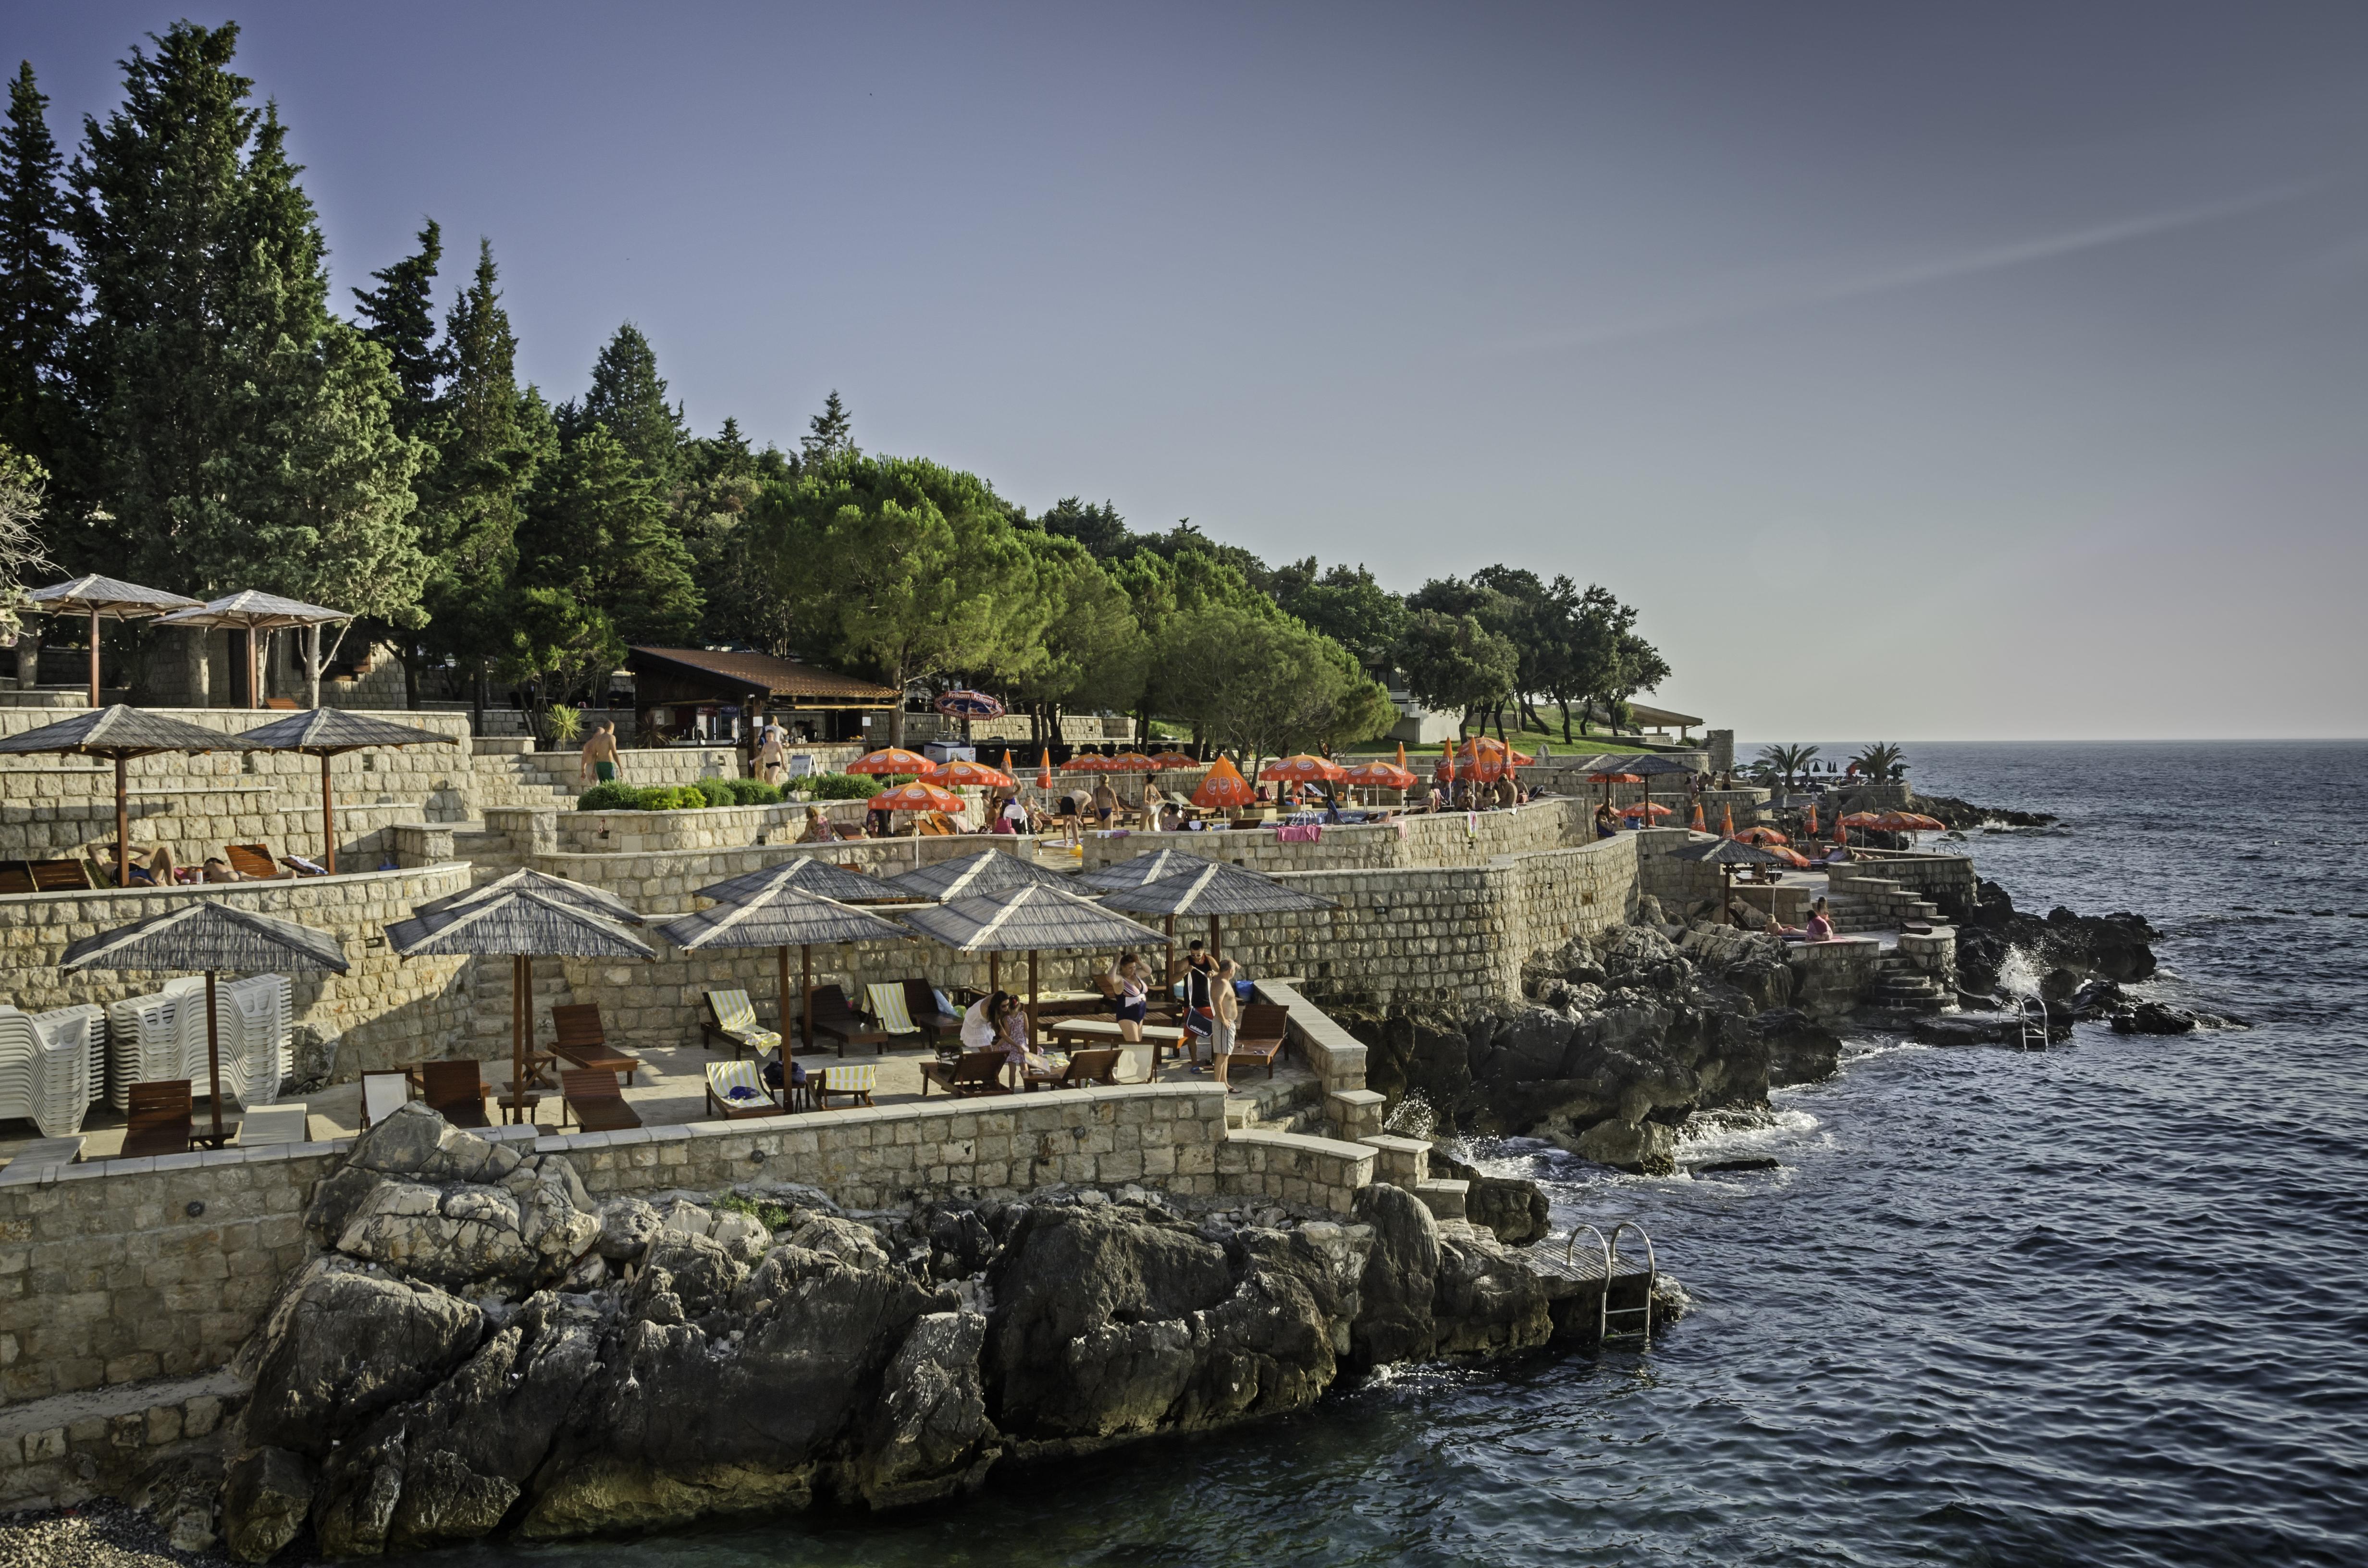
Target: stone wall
[[1828, 977], [1429, 839], [710, 828], [1680, 885], [387, 1010], [1948, 881]]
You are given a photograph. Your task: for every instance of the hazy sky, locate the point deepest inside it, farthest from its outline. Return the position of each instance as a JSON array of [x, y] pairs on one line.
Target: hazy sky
[[1991, 370]]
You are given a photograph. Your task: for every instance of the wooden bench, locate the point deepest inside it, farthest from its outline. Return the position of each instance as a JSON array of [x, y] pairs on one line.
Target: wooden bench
[[1165, 1040], [1085, 1068], [456, 1091]]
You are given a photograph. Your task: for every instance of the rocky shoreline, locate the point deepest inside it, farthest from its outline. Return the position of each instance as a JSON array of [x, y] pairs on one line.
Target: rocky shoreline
[[478, 1347]]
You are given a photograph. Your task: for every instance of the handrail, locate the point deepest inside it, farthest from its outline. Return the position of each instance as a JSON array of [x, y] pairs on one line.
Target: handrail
[[1643, 1314]]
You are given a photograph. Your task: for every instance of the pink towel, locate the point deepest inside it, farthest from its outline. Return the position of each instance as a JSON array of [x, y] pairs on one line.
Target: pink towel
[[1309, 833]]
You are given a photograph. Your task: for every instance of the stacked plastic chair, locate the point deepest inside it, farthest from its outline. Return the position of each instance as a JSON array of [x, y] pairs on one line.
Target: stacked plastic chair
[[162, 1036], [144, 1039], [58, 1018], [45, 1072]]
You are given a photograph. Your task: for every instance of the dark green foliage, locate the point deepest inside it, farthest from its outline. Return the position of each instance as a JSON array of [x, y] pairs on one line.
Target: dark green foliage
[[609, 797], [401, 317], [714, 791], [1348, 606], [1453, 665], [843, 786], [707, 792], [629, 398], [1100, 529], [830, 433], [596, 531], [752, 792], [37, 291]]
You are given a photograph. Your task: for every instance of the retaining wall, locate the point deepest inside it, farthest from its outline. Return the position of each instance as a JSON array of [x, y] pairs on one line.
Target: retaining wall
[[1947, 881]]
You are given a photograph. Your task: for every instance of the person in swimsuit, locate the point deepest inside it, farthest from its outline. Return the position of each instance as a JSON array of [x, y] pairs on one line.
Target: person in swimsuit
[[599, 758], [1132, 1001]]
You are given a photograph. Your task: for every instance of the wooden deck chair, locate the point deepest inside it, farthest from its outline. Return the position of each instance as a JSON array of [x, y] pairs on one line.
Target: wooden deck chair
[[455, 1090], [15, 877], [835, 1019], [732, 1021], [579, 1038], [593, 1098], [58, 876], [973, 1073], [1086, 1067], [723, 1077], [921, 1006], [384, 1093], [253, 862], [855, 1082], [160, 1120], [1259, 1038], [888, 1009]]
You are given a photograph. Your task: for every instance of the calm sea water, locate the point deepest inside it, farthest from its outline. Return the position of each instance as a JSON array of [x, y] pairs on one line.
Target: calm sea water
[[2103, 1305]]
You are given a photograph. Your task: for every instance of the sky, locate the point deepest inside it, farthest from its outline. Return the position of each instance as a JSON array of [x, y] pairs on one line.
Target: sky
[[1987, 371]]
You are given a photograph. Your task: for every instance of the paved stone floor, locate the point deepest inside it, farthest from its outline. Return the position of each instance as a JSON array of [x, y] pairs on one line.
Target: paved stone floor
[[671, 1088]]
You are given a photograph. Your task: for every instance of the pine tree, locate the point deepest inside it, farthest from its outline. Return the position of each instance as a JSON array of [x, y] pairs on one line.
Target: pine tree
[[37, 287], [240, 434], [401, 313], [629, 399], [832, 432], [596, 531]]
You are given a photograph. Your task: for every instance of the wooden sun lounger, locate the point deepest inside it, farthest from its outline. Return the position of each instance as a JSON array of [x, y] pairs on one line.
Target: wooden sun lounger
[[253, 862], [725, 1075], [1086, 1067], [1165, 1040], [15, 878], [1259, 1038], [455, 1090], [973, 1073], [58, 876], [583, 1041], [161, 1119], [593, 1098], [921, 1005], [836, 1018]]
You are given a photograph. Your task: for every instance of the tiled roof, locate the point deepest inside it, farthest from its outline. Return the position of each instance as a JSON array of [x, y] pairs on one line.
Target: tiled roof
[[775, 678]]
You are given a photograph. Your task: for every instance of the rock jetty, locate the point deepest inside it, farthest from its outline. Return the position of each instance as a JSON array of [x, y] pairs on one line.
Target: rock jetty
[[478, 1347]]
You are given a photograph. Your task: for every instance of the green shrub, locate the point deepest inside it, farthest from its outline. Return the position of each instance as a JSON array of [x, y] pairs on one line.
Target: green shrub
[[754, 792], [715, 791], [844, 786], [611, 797], [772, 1216]]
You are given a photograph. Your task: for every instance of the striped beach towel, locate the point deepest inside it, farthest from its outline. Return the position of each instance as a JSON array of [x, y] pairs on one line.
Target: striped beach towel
[[888, 1007]]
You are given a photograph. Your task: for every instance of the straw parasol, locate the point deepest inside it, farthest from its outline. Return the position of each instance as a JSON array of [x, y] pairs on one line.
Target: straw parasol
[[894, 759], [326, 733], [120, 734], [1216, 890], [521, 920], [212, 936], [779, 915], [807, 873], [542, 885], [1153, 867], [1224, 788], [1726, 854], [253, 612], [1028, 919], [989, 870], [108, 598]]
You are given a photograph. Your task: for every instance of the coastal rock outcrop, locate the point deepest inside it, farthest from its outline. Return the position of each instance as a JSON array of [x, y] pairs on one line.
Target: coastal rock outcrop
[[2064, 948], [479, 1347]]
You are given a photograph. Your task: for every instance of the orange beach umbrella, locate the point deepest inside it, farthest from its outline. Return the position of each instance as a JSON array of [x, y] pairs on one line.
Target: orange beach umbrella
[[1378, 776], [1304, 769], [1173, 759], [1225, 788], [894, 759], [958, 773], [915, 797], [1766, 838]]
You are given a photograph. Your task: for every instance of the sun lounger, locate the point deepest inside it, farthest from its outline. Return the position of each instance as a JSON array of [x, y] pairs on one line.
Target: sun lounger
[[384, 1093], [269, 1124], [582, 1040], [47, 1152], [1165, 1040], [1260, 1037], [595, 1101], [732, 1021], [15, 878], [973, 1073], [855, 1081], [160, 1120], [921, 1006], [1086, 1067], [58, 876], [723, 1077], [456, 1091], [253, 862], [835, 1019]]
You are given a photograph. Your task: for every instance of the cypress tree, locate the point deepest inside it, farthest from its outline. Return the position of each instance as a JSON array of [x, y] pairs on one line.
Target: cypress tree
[[596, 531], [830, 433], [629, 399], [37, 287], [401, 317], [241, 435]]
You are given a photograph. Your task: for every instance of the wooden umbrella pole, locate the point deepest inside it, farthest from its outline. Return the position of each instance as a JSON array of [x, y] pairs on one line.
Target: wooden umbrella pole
[[329, 818], [1213, 939], [94, 658], [994, 974], [521, 987], [213, 1057], [1032, 999], [122, 827]]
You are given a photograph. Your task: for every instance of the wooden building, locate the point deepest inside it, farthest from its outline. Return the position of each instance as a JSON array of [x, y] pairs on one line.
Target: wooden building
[[683, 693]]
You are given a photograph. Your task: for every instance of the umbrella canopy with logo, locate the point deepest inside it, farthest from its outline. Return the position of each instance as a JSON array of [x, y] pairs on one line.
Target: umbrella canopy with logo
[[915, 797], [779, 915], [1167, 761], [1302, 770], [327, 732], [968, 705], [211, 936], [1224, 788], [521, 922], [120, 734], [1378, 776], [255, 613], [959, 773], [104, 598], [894, 760], [1028, 919]]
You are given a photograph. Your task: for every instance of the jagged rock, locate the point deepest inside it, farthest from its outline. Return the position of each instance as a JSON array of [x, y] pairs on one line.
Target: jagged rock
[[842, 1239], [627, 1225], [2153, 1017], [2065, 948], [1648, 1147], [928, 1435], [1401, 1278], [1487, 1299], [1515, 1211], [414, 1141], [1800, 1050], [959, 1243], [342, 1345], [469, 1237], [742, 1235]]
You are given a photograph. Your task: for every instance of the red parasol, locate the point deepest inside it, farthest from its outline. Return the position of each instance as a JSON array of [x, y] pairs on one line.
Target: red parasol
[[1657, 808], [958, 773], [1790, 857], [894, 760], [1698, 825], [1304, 769], [1131, 762], [1766, 838], [1378, 776], [915, 797], [1171, 759], [1727, 821]]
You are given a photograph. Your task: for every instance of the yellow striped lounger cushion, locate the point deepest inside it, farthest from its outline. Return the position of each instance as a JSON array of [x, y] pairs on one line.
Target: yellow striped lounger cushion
[[848, 1080], [736, 1015], [722, 1077], [888, 1007]]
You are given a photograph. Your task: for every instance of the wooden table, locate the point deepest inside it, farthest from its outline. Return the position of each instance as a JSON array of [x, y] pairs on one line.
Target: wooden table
[[1104, 1031]]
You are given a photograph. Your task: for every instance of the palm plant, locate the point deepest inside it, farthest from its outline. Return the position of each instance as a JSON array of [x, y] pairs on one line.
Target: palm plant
[[1880, 763], [1787, 761]]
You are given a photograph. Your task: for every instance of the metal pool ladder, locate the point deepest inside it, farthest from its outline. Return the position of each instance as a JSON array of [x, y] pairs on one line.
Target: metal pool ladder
[[1641, 1330], [2032, 1013]]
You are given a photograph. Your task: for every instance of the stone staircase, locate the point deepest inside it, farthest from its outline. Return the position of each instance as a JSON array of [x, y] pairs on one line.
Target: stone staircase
[[1901, 987], [1869, 904]]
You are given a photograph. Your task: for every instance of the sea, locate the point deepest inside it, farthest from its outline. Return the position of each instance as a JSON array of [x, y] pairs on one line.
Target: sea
[[2101, 1305]]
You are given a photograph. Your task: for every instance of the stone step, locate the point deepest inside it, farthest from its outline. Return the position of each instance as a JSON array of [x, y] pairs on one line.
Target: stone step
[[1444, 1198]]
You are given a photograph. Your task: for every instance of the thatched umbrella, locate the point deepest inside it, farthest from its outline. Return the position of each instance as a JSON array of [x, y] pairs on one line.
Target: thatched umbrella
[[1726, 854], [1216, 890], [108, 598], [807, 873], [1026, 919], [1151, 868], [989, 870], [326, 733], [212, 936], [254, 612], [120, 734], [1650, 766], [522, 917], [782, 917]]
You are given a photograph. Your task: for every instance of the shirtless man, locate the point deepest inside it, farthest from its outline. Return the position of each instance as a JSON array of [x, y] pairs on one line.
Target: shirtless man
[[599, 755]]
